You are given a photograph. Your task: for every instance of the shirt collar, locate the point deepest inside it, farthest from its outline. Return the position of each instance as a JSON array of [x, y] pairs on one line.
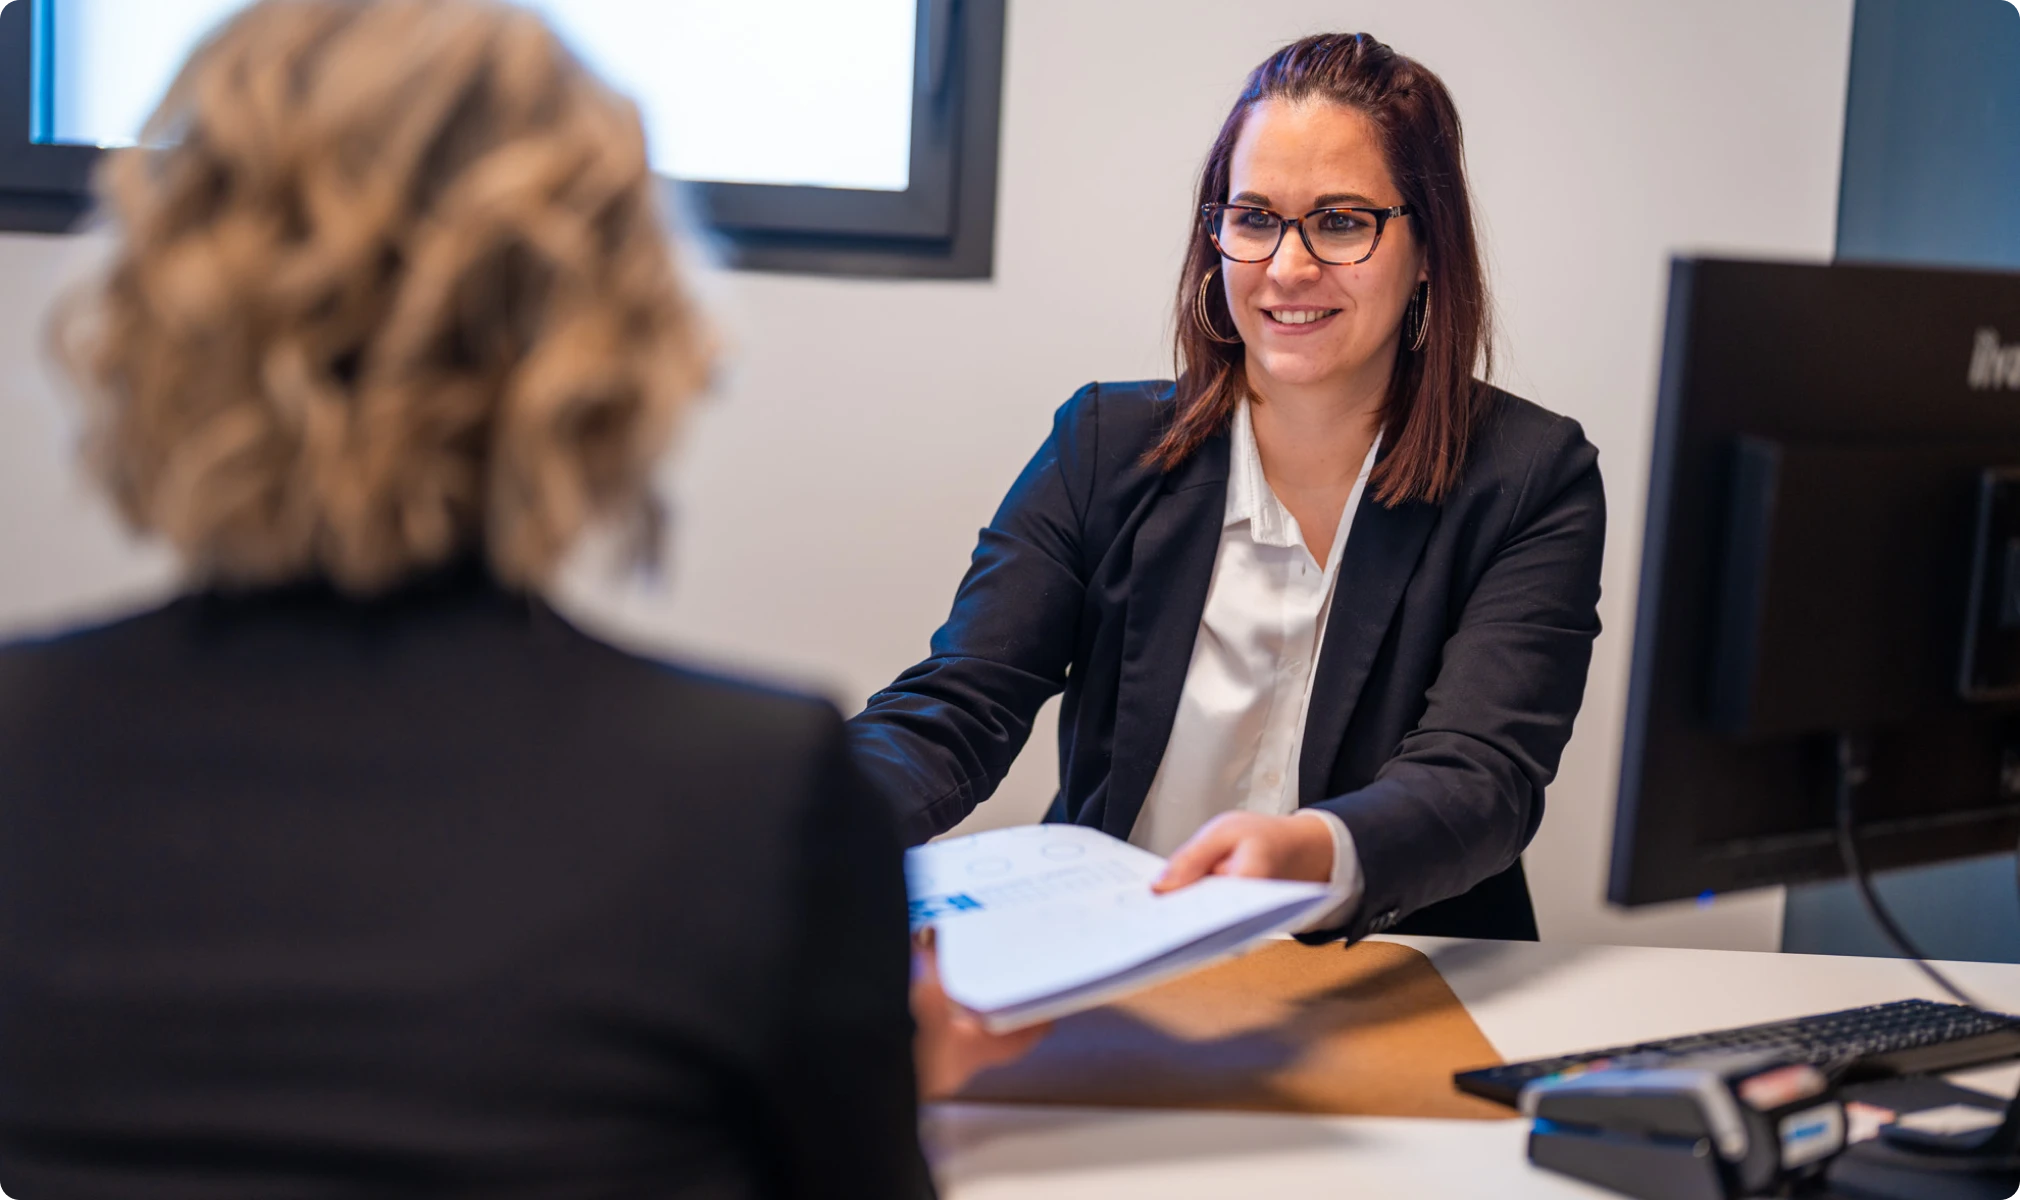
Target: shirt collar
[[1249, 497]]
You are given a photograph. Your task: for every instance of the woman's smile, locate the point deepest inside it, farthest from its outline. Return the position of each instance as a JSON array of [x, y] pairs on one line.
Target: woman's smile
[[1298, 320]]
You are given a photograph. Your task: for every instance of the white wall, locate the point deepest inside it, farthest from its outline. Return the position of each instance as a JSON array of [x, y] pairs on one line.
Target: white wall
[[62, 557], [828, 498]]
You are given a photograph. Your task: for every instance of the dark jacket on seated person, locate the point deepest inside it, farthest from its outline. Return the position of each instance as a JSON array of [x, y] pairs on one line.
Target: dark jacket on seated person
[[1453, 663], [301, 896]]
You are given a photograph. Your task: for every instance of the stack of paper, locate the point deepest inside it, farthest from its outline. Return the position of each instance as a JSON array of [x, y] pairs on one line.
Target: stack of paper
[[1039, 921]]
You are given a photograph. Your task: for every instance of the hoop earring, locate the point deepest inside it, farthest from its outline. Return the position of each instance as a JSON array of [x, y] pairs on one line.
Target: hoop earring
[[1199, 312], [1420, 308]]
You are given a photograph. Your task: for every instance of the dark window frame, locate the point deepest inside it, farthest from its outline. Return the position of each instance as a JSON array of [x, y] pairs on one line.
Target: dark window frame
[[941, 226]]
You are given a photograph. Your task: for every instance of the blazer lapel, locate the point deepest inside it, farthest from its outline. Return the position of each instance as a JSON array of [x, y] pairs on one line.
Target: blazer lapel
[[1170, 572], [1375, 568]]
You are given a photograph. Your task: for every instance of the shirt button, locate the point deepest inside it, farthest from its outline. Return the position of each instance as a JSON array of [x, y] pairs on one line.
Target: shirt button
[[1272, 778]]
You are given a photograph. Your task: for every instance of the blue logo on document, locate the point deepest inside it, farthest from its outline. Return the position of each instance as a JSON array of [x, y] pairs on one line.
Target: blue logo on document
[[928, 909]]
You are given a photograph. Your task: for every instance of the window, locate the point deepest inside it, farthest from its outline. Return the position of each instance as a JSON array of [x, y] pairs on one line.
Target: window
[[809, 135]]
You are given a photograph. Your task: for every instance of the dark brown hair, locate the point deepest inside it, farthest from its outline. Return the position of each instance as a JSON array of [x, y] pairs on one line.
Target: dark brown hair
[[1434, 402]]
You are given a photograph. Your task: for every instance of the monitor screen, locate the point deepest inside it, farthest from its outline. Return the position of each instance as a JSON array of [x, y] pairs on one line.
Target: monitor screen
[[792, 92], [1831, 559]]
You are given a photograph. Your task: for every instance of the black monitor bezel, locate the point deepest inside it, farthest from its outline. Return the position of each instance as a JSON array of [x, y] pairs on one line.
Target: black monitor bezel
[[1658, 854]]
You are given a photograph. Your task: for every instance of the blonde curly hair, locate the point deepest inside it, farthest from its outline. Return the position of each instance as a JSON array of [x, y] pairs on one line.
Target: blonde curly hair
[[389, 289]]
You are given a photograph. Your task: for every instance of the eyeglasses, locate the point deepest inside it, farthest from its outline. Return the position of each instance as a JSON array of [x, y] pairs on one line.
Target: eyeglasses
[[1339, 237]]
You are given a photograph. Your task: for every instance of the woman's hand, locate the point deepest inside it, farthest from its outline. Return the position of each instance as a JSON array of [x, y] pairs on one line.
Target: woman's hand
[[951, 1046], [1299, 846]]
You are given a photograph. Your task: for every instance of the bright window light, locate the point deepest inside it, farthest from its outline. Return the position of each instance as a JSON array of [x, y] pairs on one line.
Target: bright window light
[[802, 92]]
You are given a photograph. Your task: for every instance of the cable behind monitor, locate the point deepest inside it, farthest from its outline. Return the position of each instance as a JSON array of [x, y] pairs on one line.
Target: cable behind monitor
[[1852, 773]]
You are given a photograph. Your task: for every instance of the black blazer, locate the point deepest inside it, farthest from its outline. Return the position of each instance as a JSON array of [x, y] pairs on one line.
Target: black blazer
[[1454, 658], [436, 896]]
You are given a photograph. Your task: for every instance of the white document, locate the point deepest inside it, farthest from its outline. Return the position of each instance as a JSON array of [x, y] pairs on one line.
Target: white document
[[1038, 921]]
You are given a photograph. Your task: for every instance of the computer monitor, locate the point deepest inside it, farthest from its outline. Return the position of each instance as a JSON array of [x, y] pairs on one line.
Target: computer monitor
[[1832, 553]]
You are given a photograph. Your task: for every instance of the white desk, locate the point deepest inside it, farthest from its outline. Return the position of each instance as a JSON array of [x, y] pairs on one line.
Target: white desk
[[1531, 1000]]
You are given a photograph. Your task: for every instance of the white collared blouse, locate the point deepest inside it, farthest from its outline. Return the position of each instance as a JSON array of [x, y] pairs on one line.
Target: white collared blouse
[[1241, 714]]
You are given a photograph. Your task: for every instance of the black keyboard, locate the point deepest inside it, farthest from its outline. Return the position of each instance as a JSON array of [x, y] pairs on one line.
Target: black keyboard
[[1907, 1037]]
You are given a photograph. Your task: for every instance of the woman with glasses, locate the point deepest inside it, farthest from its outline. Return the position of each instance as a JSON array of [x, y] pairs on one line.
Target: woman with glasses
[[1322, 608]]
